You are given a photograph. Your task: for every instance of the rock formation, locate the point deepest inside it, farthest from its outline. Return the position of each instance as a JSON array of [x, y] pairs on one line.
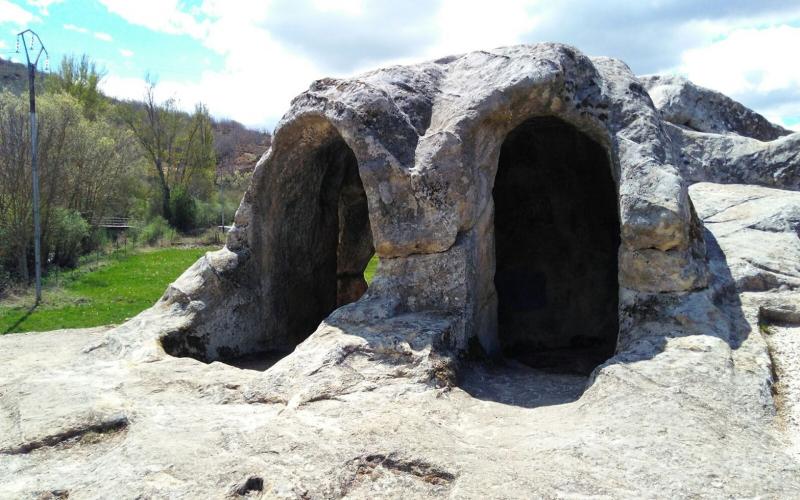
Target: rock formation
[[555, 313]]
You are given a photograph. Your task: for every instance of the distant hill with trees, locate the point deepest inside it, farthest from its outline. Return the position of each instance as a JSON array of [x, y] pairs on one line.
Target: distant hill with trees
[[237, 147], [146, 161]]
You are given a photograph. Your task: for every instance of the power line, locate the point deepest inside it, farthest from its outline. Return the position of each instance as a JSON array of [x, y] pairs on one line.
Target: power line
[[37, 230]]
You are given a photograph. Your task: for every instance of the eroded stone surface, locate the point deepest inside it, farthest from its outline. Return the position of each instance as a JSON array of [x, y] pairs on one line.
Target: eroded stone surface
[[757, 230], [427, 141], [697, 108], [377, 411], [397, 394]]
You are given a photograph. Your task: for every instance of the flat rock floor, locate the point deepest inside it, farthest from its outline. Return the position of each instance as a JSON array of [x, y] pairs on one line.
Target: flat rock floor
[[76, 421]]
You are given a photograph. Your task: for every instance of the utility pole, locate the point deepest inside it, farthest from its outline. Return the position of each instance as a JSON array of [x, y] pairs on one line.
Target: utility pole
[[222, 206], [37, 230]]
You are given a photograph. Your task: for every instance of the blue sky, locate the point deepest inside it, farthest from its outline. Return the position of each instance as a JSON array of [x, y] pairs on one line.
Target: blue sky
[[246, 59]]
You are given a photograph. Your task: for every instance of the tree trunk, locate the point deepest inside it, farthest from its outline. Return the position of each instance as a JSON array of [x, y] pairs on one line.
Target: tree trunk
[[22, 265], [165, 203], [164, 192]]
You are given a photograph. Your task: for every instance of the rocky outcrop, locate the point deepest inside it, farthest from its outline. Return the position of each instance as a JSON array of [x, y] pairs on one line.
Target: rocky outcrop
[[509, 194], [697, 108], [733, 159], [427, 141], [757, 230], [716, 139], [352, 414]]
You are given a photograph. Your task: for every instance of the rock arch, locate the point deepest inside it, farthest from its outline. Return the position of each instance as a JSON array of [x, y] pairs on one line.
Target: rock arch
[[318, 238], [427, 141], [308, 242], [556, 232]]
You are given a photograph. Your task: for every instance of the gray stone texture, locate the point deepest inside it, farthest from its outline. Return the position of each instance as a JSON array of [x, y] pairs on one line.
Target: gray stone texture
[[663, 297]]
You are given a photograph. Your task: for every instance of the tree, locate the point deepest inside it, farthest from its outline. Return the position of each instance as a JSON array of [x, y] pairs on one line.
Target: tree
[[80, 78], [87, 170], [179, 147]]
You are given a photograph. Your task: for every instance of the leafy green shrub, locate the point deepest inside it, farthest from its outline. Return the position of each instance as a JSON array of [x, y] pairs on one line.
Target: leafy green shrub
[[96, 240], [207, 214], [157, 231], [68, 231], [183, 209]]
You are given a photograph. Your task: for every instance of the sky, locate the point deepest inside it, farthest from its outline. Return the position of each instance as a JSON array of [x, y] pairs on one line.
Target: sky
[[246, 59]]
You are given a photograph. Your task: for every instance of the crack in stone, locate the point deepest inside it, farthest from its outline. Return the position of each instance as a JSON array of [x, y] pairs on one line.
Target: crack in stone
[[70, 436]]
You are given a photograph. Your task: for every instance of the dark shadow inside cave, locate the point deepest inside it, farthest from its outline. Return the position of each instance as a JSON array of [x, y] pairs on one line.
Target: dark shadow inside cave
[[332, 242], [321, 245], [556, 243]]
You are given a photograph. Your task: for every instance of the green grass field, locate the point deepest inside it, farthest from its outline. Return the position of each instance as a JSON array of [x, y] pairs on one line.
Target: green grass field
[[110, 294], [117, 291]]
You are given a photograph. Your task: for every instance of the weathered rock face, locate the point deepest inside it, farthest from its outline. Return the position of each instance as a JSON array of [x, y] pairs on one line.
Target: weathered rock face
[[429, 143], [526, 201], [688, 413], [717, 139], [703, 110]]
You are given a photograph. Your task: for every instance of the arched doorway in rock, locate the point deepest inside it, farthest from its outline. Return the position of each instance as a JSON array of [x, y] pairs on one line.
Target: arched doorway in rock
[[312, 242], [556, 241], [325, 242]]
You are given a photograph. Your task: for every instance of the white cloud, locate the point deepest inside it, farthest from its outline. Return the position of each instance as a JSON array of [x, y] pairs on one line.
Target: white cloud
[[126, 52], [259, 77], [123, 88], [349, 7], [14, 14], [254, 94], [72, 27], [158, 15], [754, 65], [262, 73], [273, 49], [43, 5], [466, 25], [97, 34], [747, 60], [786, 115]]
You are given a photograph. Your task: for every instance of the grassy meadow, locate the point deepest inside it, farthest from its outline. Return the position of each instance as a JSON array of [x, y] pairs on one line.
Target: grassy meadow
[[106, 292]]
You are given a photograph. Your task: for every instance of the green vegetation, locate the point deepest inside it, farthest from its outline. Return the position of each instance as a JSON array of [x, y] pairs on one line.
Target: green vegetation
[[106, 292], [179, 150], [369, 272], [163, 171], [118, 289]]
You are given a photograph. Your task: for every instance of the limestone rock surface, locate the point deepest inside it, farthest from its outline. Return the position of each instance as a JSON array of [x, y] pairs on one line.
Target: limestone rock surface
[[697, 108], [264, 371], [757, 230], [733, 159], [691, 415]]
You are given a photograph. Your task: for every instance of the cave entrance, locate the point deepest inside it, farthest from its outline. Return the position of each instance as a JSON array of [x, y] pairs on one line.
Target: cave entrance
[[556, 242], [319, 243], [329, 241]]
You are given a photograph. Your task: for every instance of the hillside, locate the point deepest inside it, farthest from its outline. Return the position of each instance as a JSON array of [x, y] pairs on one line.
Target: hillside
[[237, 147], [14, 77]]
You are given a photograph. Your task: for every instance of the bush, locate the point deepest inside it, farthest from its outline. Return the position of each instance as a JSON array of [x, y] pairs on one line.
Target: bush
[[157, 231], [97, 240], [183, 209], [5, 281], [211, 237], [68, 231]]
